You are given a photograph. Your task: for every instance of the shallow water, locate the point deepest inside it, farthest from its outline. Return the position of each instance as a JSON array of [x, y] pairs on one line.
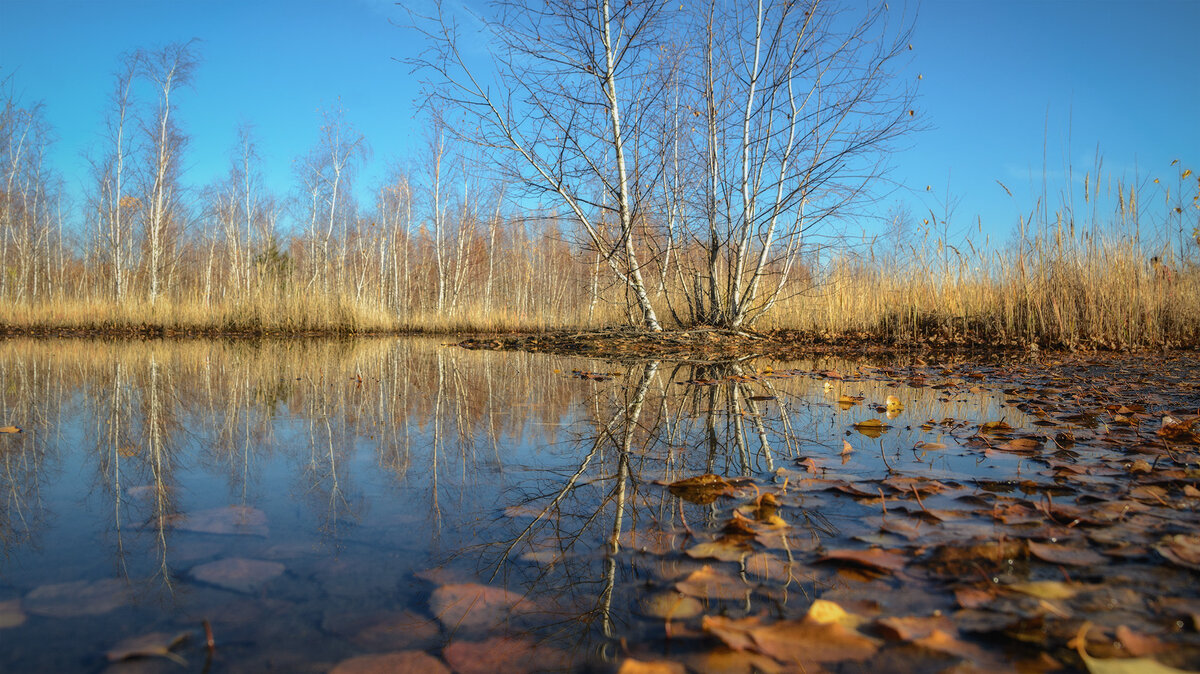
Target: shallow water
[[313, 501]]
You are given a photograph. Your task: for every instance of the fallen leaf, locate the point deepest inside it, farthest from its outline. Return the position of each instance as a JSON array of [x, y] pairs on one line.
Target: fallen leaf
[[503, 654], [9, 429], [79, 598], [473, 606], [237, 573], [631, 666], [1139, 644], [793, 642], [399, 662], [728, 661], [707, 584], [155, 644], [872, 428], [231, 520], [670, 606], [1117, 665], [1181, 549], [725, 549], [1056, 553], [874, 558], [824, 611], [11, 614], [1045, 589], [702, 489]]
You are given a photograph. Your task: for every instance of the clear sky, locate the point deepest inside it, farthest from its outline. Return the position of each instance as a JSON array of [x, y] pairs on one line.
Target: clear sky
[[1002, 82]]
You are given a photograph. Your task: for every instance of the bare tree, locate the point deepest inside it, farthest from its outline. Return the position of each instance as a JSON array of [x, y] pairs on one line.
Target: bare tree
[[170, 67], [562, 109]]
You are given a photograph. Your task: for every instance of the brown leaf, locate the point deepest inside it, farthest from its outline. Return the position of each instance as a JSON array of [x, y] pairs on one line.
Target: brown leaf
[[237, 573], [874, 558], [793, 642], [503, 654], [631, 666], [399, 662], [702, 489], [11, 614], [155, 644], [670, 606], [1181, 549], [728, 661], [472, 605], [232, 520], [1056, 553], [1139, 644], [79, 598], [872, 428], [707, 584], [725, 549]]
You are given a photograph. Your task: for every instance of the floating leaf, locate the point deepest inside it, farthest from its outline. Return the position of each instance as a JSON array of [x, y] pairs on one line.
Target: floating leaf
[[237, 573], [893, 403], [79, 598], [232, 520], [707, 584], [1181, 549], [503, 654], [11, 614], [872, 428], [155, 644], [1062, 554], [473, 606], [873, 558], [400, 662], [631, 666], [670, 606], [1045, 589], [702, 489], [725, 549], [824, 611], [9, 429], [793, 642]]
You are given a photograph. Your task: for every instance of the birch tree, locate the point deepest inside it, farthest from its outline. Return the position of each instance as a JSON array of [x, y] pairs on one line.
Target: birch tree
[[167, 69], [114, 208], [561, 110]]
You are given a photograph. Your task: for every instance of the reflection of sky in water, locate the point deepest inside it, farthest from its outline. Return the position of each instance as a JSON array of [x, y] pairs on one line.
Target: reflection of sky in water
[[438, 458]]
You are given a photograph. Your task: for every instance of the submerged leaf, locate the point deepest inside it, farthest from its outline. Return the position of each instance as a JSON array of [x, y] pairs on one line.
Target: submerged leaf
[[237, 573], [873, 558], [631, 666], [1062, 554], [702, 489], [1045, 589], [503, 654], [155, 644], [670, 606], [232, 520], [80, 598], [793, 642], [472, 605], [705, 583], [11, 614], [400, 662]]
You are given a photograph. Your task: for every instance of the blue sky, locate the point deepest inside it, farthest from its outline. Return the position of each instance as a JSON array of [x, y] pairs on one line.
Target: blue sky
[[1002, 82]]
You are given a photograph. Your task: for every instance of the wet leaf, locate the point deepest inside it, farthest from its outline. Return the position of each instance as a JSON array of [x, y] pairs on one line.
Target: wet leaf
[[631, 666], [1181, 549], [503, 654], [1045, 589], [399, 662], [155, 644], [708, 584], [11, 614], [824, 611], [231, 520], [1117, 665], [9, 429], [995, 427], [79, 598], [702, 489], [873, 558], [872, 428], [793, 642], [670, 606], [1061, 554], [473, 606], [237, 573], [728, 661], [724, 549], [1139, 644]]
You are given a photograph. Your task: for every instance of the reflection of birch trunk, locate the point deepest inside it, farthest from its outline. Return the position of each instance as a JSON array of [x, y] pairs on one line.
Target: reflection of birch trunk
[[161, 468]]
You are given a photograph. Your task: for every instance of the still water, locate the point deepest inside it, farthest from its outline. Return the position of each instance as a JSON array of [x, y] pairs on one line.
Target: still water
[[308, 502]]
